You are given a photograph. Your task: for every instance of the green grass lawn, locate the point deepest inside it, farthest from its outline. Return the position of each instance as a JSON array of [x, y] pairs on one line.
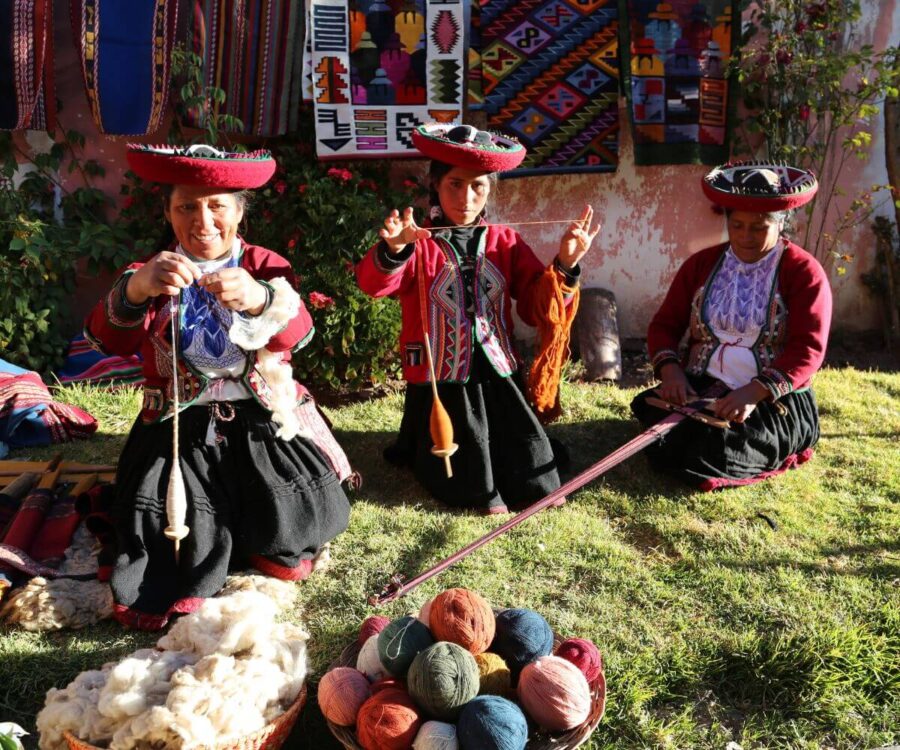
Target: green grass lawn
[[714, 626]]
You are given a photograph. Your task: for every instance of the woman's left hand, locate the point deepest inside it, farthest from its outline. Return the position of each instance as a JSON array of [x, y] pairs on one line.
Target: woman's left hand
[[236, 289], [577, 240], [738, 405]]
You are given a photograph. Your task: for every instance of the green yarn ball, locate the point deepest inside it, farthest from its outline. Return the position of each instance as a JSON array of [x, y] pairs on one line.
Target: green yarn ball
[[399, 643], [442, 679]]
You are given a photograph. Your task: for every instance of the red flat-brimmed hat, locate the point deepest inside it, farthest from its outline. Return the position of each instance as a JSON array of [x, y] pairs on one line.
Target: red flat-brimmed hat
[[201, 165], [468, 147], [759, 186]]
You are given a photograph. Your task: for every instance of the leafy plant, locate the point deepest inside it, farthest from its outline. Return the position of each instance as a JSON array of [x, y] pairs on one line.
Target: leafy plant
[[812, 91]]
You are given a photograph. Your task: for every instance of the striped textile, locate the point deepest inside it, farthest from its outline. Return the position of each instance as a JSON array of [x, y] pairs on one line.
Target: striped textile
[[84, 364], [27, 98], [252, 49], [126, 51]]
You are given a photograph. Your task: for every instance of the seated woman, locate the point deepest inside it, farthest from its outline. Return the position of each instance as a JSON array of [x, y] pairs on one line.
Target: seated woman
[[456, 282], [262, 473], [755, 312]]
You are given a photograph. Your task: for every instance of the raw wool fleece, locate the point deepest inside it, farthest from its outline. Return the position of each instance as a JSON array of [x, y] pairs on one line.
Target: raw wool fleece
[[81, 554], [220, 673], [252, 334], [59, 603]]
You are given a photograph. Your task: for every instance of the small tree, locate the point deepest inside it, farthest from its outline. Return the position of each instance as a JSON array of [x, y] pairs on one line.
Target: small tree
[[812, 91]]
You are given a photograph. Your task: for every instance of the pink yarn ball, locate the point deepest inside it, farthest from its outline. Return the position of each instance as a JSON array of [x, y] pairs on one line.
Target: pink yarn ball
[[424, 615], [372, 626], [341, 692], [554, 693], [584, 655]]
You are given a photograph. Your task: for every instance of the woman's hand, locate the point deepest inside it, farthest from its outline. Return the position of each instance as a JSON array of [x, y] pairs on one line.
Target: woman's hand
[[164, 273], [236, 289], [675, 387], [738, 405], [399, 231], [577, 240]]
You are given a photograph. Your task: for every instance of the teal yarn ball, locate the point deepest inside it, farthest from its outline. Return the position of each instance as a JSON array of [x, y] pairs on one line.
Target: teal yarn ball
[[522, 636], [442, 679], [490, 722], [400, 642]]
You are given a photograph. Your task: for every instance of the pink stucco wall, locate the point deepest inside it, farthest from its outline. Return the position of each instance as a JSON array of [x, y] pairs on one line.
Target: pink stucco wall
[[653, 217]]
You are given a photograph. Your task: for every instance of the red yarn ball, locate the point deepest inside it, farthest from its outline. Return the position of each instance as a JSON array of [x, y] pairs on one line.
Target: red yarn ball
[[389, 720], [464, 618], [372, 626], [341, 693], [584, 654]]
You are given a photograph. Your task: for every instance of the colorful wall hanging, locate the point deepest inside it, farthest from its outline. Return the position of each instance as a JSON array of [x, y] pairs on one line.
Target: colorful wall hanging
[[380, 70], [252, 50], [550, 77], [678, 96], [26, 64], [126, 50]]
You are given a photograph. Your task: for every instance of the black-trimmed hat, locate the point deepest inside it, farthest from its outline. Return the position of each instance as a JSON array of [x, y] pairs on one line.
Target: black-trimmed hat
[[468, 147], [759, 186]]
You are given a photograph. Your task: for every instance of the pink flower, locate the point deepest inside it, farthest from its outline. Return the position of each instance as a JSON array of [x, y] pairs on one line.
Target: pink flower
[[784, 56], [410, 183], [320, 301], [804, 112], [302, 189], [368, 185], [800, 27], [280, 187], [292, 243], [344, 175], [128, 202]]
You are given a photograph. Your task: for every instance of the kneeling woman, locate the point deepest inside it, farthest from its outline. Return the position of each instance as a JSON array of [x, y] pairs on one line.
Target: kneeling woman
[[456, 282], [262, 473], [756, 311]]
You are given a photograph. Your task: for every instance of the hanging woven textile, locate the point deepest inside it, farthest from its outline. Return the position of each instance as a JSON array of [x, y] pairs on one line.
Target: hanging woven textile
[[252, 50], [27, 97], [382, 69], [674, 63], [126, 50], [550, 77]]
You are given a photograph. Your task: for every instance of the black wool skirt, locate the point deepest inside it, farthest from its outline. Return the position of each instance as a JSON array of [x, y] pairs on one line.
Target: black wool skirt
[[776, 437], [252, 499], [504, 459]]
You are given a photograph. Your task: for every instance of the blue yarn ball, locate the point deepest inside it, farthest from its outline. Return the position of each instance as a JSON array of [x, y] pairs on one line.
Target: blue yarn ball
[[400, 642], [522, 636], [490, 722]]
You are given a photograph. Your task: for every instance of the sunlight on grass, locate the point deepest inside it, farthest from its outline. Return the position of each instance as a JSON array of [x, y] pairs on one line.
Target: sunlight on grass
[[715, 627]]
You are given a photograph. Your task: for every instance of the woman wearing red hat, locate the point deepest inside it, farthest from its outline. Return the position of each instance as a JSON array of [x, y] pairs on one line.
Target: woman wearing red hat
[[262, 473], [456, 281], [755, 313]]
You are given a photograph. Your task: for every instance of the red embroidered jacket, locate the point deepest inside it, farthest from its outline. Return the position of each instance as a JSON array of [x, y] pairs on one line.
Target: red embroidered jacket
[[116, 327], [506, 268], [791, 345]]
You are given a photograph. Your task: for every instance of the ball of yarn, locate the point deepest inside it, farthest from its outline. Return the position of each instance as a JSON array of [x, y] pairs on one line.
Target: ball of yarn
[[368, 662], [436, 735], [387, 682], [399, 643], [425, 613], [341, 692], [584, 655], [372, 626], [555, 693], [464, 617], [522, 636], [442, 679], [493, 675], [489, 722], [389, 720]]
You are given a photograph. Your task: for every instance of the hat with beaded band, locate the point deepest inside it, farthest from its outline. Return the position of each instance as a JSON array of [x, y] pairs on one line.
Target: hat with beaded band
[[201, 165], [468, 147], [760, 187]]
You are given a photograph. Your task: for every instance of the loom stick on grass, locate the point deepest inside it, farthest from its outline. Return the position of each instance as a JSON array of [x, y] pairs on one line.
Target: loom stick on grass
[[176, 497]]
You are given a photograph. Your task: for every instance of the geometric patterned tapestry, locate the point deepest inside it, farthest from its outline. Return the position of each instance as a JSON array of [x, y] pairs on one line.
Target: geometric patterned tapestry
[[550, 77], [253, 50], [674, 65], [381, 69], [27, 98]]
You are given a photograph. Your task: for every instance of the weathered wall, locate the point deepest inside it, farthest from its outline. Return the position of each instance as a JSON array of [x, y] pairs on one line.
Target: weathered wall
[[653, 217]]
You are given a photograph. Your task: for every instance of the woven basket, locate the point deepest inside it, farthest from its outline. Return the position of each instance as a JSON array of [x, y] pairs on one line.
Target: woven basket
[[270, 737], [538, 739]]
